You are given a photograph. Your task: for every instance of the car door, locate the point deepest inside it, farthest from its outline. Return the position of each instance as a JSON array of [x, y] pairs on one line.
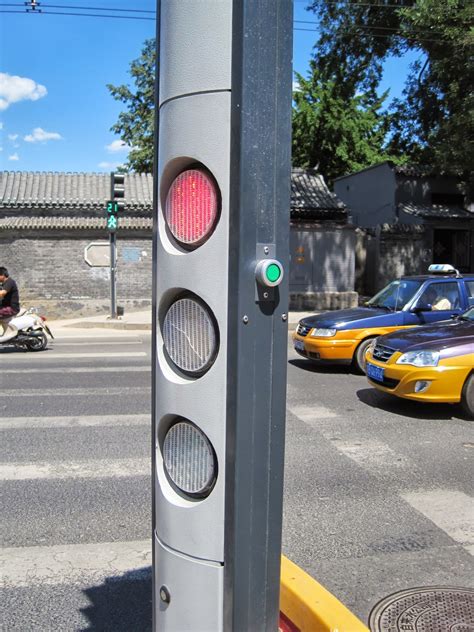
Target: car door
[[446, 303]]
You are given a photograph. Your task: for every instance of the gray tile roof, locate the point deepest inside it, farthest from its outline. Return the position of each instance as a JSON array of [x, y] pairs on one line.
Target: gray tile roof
[[41, 190], [435, 211], [24, 189], [311, 198]]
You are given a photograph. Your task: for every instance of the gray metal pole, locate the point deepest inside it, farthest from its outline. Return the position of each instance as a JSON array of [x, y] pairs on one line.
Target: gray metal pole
[[113, 266]]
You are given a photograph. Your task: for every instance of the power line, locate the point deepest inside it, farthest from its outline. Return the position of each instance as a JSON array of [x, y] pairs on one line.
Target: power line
[[361, 28], [62, 6]]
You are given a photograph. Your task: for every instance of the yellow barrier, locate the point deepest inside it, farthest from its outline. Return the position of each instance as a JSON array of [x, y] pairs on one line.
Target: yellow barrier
[[310, 607]]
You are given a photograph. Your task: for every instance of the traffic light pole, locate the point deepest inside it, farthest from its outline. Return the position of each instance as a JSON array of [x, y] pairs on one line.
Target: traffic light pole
[[113, 280], [114, 207], [220, 334]]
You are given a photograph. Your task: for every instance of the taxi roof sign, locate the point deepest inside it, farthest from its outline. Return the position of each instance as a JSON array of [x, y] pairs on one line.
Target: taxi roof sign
[[443, 268]]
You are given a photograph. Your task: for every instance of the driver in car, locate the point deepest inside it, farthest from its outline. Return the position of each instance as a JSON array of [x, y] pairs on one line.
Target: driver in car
[[436, 302]]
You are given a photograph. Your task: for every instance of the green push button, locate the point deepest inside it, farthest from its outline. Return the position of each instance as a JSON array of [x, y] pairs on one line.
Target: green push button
[[269, 272], [273, 272]]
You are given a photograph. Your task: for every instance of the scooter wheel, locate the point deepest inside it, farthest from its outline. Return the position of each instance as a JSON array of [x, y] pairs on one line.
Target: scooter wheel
[[38, 342]]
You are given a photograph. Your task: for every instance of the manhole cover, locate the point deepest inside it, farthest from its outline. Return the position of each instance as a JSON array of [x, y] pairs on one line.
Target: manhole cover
[[431, 609]]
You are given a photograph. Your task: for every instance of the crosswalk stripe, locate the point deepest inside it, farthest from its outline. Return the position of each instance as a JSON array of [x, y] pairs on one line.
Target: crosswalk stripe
[[311, 414], [77, 392], [81, 369], [105, 468], [50, 355], [96, 343], [11, 423], [450, 510], [375, 456], [74, 563]]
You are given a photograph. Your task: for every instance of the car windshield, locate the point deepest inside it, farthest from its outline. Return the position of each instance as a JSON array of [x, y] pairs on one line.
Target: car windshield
[[395, 295], [469, 315]]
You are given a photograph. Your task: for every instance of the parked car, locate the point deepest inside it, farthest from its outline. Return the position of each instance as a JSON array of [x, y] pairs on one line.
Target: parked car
[[343, 336], [434, 363]]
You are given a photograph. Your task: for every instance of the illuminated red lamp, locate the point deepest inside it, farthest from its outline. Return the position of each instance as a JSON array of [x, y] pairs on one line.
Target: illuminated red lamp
[[192, 207]]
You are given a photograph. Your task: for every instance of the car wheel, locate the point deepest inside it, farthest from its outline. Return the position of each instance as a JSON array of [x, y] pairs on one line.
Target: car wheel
[[359, 355], [467, 397]]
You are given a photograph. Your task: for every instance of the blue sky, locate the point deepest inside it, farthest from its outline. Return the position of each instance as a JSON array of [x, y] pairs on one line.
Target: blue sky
[[55, 109]]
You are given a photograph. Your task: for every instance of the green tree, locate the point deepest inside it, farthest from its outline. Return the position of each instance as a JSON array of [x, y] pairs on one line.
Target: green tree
[[136, 124], [434, 120], [334, 131]]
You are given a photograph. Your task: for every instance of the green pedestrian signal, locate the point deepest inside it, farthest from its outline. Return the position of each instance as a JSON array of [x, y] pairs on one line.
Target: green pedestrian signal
[[112, 222], [112, 209]]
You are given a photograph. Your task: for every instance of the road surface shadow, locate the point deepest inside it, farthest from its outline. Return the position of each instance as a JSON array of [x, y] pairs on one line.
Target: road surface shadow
[[408, 408], [120, 604], [312, 366]]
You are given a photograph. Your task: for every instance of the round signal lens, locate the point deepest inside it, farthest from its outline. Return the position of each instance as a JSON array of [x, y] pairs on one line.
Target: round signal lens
[[190, 335], [189, 459], [192, 207]]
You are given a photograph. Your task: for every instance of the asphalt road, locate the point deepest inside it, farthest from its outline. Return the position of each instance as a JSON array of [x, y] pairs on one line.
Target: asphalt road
[[378, 493]]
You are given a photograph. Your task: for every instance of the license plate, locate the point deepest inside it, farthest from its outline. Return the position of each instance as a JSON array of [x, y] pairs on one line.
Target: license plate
[[375, 372], [299, 346]]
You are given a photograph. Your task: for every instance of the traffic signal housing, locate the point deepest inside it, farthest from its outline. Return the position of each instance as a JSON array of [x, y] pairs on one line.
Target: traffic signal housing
[[220, 312]]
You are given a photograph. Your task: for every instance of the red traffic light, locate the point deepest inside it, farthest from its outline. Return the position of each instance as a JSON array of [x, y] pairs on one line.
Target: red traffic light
[[192, 207]]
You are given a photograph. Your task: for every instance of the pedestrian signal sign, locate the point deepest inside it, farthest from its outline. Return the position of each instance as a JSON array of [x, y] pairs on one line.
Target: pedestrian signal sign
[[112, 223], [112, 212]]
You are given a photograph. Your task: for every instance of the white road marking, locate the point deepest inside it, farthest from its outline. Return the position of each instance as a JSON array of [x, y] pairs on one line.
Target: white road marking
[[95, 343], [75, 392], [74, 469], [50, 355], [10, 423], [311, 414], [373, 455], [82, 369], [74, 563], [450, 510]]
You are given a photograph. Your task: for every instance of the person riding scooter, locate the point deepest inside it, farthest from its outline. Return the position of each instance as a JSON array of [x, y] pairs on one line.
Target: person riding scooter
[[10, 305]]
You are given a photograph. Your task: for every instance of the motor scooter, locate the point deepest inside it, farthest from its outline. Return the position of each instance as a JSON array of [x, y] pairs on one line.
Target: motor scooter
[[32, 332]]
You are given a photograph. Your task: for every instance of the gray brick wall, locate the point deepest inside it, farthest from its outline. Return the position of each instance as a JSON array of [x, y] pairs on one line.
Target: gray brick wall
[[51, 272]]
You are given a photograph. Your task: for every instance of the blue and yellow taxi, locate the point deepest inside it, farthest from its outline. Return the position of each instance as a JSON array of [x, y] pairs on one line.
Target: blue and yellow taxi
[[434, 363], [343, 336]]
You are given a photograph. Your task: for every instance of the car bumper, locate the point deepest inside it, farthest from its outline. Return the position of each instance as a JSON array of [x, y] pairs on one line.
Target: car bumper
[[331, 350], [444, 382]]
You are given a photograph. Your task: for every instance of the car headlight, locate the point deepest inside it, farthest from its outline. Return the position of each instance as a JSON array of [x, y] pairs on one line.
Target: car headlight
[[323, 333], [419, 358]]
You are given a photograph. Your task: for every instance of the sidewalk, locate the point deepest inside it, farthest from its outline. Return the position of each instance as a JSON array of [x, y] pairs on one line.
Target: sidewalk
[[133, 321]]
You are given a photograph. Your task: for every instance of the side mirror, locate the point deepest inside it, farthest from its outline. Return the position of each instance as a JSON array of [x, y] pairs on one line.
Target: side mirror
[[422, 307]]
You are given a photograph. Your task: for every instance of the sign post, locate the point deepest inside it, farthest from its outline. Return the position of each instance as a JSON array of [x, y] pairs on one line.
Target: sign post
[[113, 208], [222, 199]]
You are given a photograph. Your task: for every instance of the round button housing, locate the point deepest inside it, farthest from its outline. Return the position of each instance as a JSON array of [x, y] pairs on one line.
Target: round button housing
[[269, 272]]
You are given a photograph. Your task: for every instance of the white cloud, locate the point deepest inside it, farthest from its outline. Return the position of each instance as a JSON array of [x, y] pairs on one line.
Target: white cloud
[[40, 136], [1, 125], [14, 89], [12, 136], [14, 157], [117, 145]]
